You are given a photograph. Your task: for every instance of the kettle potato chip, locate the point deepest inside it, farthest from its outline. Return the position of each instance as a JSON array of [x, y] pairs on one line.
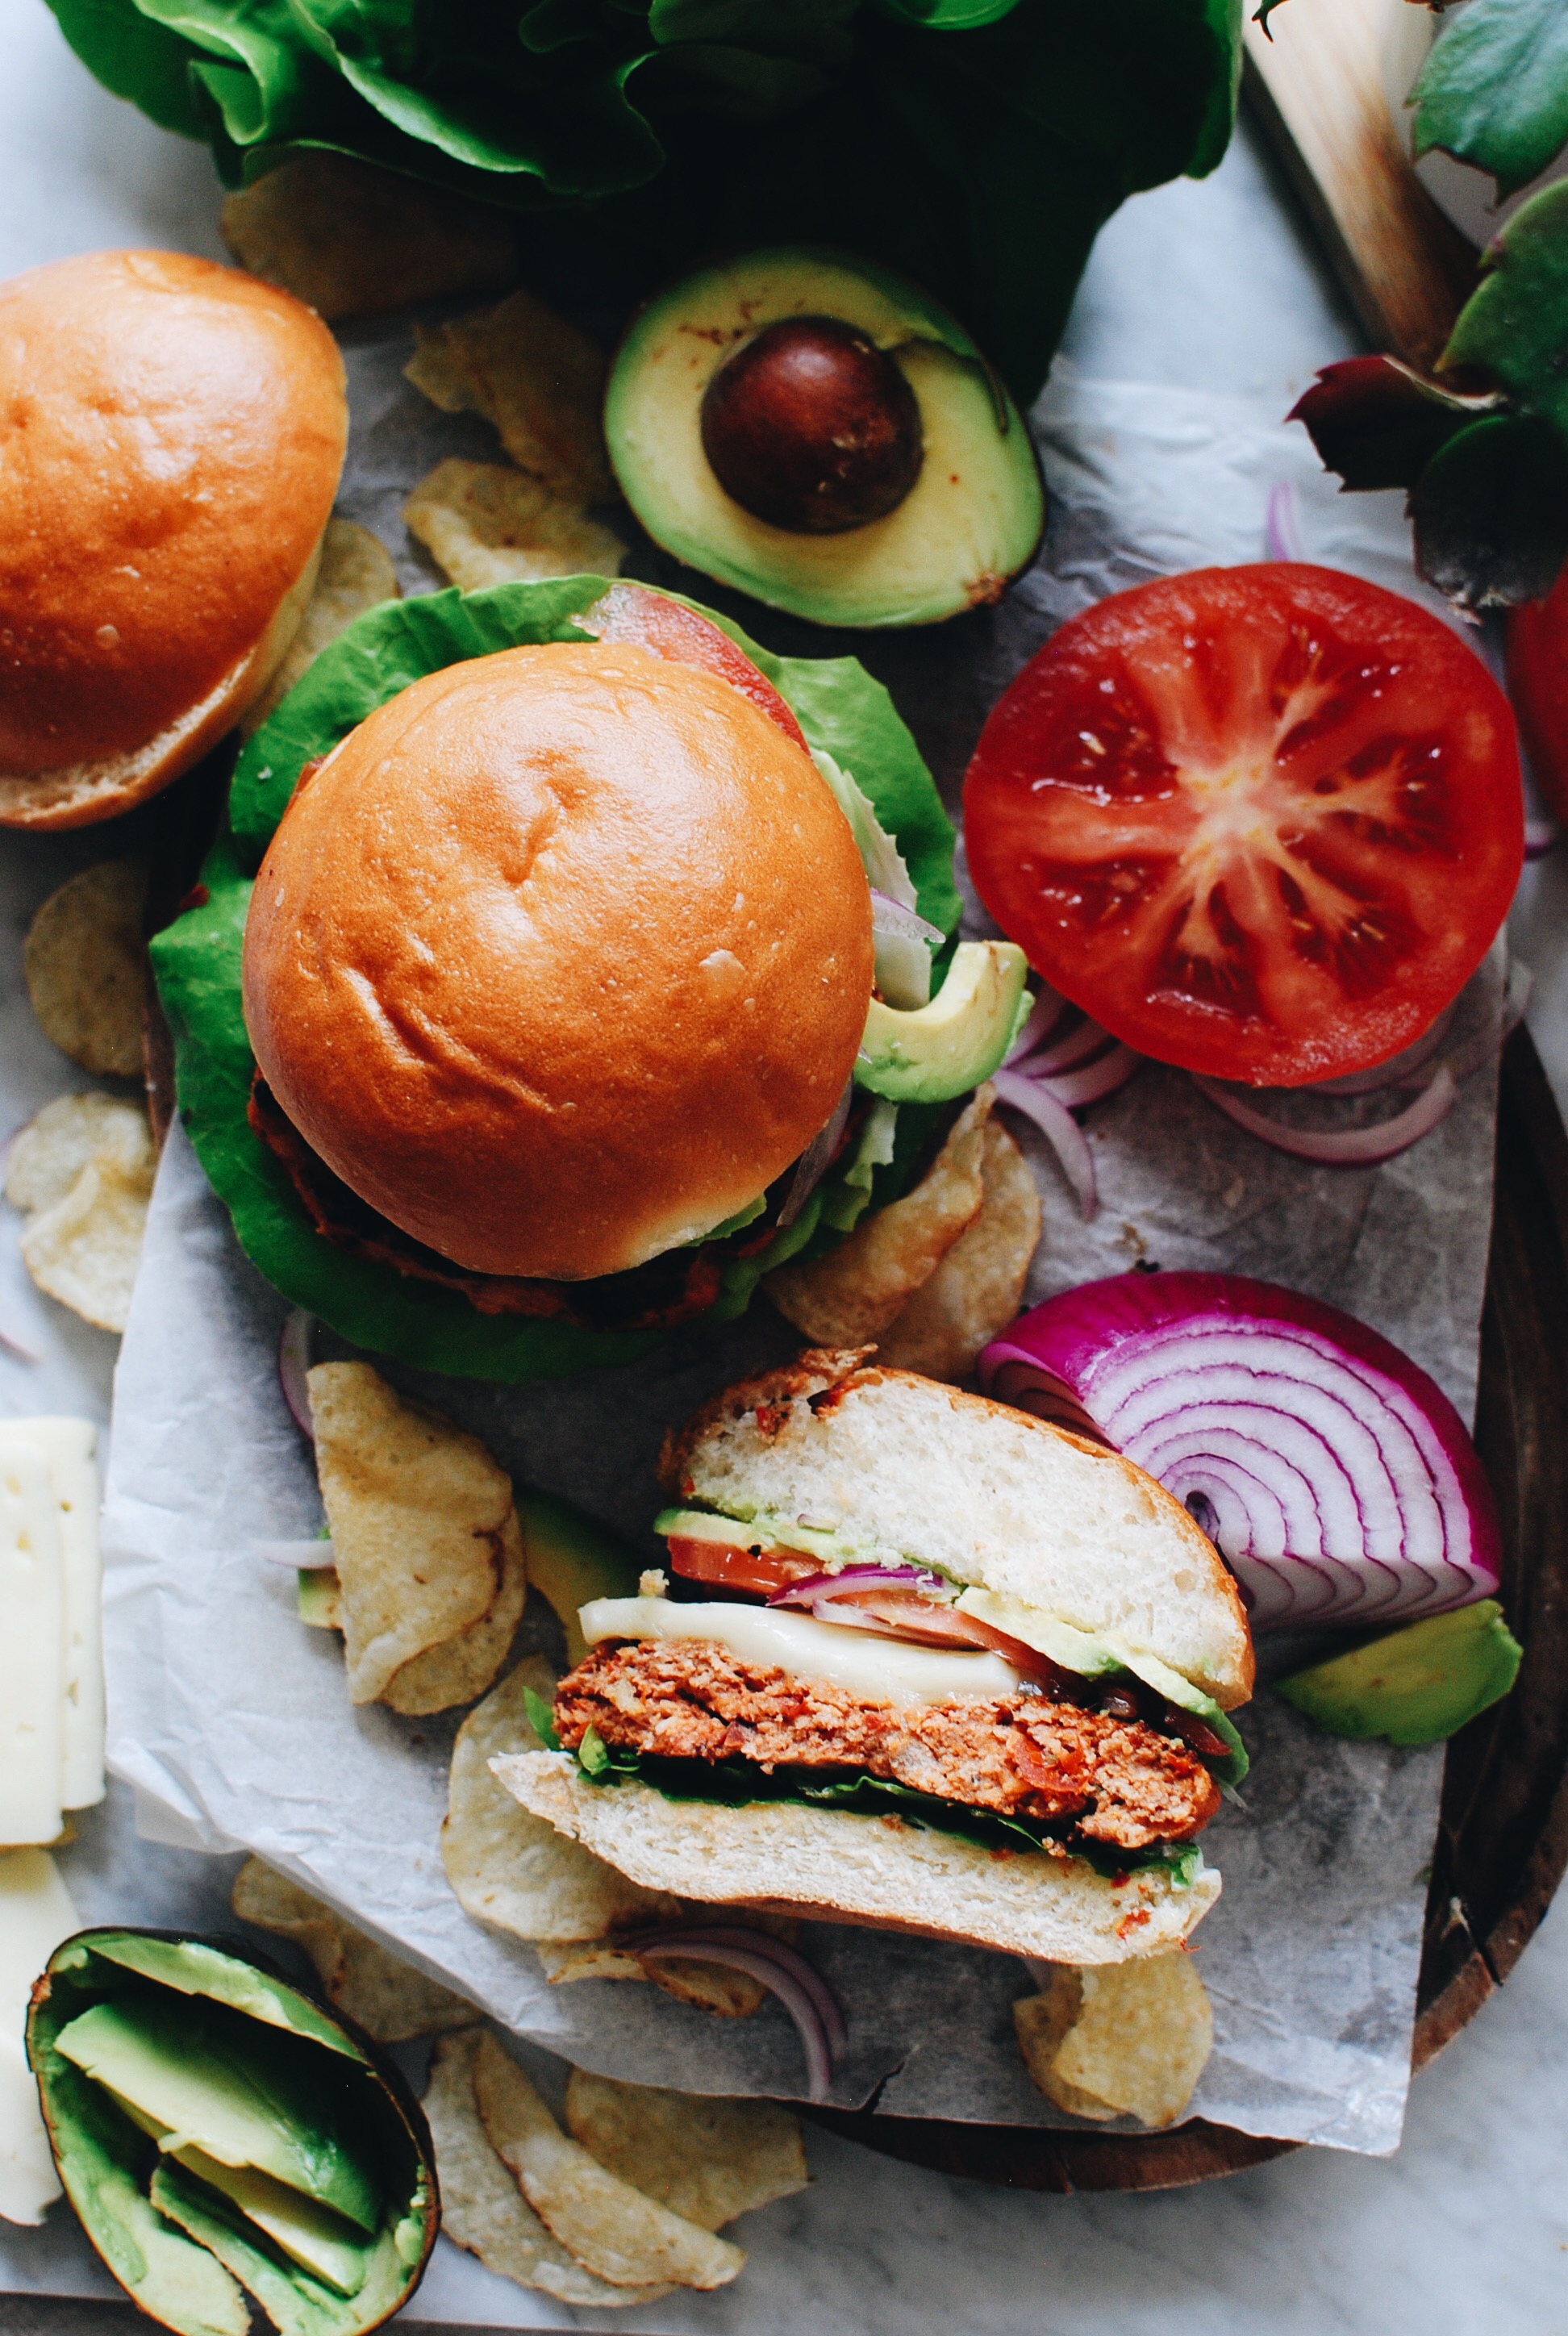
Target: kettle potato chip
[[86, 964], [484, 524], [1119, 2039], [709, 2158], [388, 1998], [535, 378], [83, 1168], [979, 1286], [355, 241]]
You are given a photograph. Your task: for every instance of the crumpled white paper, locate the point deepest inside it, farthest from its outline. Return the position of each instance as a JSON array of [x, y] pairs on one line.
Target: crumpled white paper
[[233, 1723]]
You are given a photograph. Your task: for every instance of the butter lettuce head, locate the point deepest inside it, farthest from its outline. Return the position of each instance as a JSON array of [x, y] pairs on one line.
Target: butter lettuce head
[[978, 145], [197, 964]]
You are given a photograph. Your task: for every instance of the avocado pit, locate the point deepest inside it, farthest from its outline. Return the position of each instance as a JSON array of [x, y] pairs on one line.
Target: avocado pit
[[811, 428]]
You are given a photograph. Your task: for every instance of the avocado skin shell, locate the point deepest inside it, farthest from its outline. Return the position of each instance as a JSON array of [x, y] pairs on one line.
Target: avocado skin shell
[[812, 427], [46, 2017]]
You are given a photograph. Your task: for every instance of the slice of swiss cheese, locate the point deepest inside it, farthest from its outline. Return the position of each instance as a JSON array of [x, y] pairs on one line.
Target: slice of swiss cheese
[[36, 1914], [68, 1448]]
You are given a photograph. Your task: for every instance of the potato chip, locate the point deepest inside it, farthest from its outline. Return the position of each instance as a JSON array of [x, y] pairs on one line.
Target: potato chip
[[513, 1870], [614, 2230], [536, 377], [356, 573], [481, 2207], [1131, 2039], [709, 2159], [417, 1509], [595, 1958], [851, 1294], [977, 1290], [484, 523], [463, 1667], [355, 241], [86, 964], [49, 1154], [84, 1167], [390, 1999]]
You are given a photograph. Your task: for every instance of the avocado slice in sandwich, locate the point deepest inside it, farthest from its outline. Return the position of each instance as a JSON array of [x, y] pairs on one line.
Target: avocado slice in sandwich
[[817, 431], [221, 2132]]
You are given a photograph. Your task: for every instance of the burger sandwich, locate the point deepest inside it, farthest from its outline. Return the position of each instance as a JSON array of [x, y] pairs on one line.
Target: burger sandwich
[[171, 438], [925, 1663], [582, 976]]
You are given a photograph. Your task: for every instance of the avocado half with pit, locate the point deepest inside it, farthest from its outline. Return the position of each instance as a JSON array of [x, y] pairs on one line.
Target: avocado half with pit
[[220, 2133], [816, 431]]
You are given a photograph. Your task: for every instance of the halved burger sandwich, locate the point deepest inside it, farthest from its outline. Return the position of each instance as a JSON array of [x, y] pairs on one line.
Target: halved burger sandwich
[[568, 963], [933, 1665]]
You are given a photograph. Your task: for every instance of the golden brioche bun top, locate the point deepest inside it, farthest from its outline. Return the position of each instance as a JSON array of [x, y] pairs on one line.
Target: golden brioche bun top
[[561, 958], [171, 438]]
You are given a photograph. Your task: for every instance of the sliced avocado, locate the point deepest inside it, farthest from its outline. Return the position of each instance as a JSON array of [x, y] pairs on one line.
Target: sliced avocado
[[191, 2033], [296, 2304], [208, 2077], [571, 1558], [319, 2241], [971, 520], [1416, 1686], [938, 1051], [320, 1597]]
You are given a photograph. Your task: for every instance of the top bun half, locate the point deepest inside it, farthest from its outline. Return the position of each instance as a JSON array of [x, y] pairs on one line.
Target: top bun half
[[171, 434], [561, 958], [989, 1494]]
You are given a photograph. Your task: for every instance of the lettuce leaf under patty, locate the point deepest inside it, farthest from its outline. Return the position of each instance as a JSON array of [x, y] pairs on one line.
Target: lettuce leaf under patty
[[740, 1784]]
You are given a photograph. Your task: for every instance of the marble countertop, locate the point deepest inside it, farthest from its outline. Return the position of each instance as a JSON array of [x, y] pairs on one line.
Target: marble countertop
[[1204, 286]]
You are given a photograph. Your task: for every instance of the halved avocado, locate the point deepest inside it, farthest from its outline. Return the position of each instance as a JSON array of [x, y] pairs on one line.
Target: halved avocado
[[219, 2130], [928, 1054], [971, 520]]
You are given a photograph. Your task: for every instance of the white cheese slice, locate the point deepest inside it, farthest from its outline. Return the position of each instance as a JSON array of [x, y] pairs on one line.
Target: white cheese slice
[[31, 1650], [879, 1670], [36, 1914], [69, 1446]]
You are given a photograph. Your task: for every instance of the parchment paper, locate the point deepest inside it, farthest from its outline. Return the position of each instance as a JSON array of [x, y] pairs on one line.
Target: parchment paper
[[232, 1722]]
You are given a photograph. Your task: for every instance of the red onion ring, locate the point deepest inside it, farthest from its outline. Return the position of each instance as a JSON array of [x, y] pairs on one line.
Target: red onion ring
[[1079, 1045], [1093, 1080], [1541, 836], [294, 1341], [803, 1991], [1045, 1014], [1340, 1482], [1282, 523], [813, 1586], [1059, 1128], [1341, 1147]]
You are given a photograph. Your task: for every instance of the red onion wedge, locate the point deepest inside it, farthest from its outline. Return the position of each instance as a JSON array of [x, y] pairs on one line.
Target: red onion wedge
[[1335, 1477], [801, 1990], [295, 1344]]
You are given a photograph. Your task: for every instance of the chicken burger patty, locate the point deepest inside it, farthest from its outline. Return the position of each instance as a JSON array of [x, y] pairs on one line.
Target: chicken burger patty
[[1117, 1781]]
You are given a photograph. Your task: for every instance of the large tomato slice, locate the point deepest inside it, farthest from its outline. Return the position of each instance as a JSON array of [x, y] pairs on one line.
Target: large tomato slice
[[1260, 822], [1538, 679]]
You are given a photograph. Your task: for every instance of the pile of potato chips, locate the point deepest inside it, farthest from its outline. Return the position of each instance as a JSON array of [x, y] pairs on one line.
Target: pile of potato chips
[[615, 2209], [83, 1173], [933, 1277]]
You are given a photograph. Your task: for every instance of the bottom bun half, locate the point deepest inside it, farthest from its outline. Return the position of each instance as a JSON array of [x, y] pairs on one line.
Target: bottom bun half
[[783, 1857]]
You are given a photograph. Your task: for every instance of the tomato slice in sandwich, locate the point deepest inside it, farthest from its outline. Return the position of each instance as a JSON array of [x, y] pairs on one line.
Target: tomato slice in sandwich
[[668, 629], [1260, 822]]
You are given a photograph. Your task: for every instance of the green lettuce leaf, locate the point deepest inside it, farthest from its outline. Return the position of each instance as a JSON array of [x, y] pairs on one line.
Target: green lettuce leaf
[[1495, 89], [978, 145], [196, 965], [740, 1784]]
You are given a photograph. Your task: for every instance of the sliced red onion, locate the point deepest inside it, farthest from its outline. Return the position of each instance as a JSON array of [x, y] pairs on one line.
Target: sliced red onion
[[855, 1577], [17, 1347], [1079, 1045], [1341, 1147], [1541, 836], [816, 1158], [304, 1556], [294, 1343], [1059, 1128], [1339, 1480], [1282, 525], [1047, 1011], [803, 1991], [903, 952], [1092, 1081]]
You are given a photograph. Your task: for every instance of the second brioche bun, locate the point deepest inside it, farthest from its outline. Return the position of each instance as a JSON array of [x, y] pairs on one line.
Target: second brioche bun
[[171, 438], [561, 958]]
